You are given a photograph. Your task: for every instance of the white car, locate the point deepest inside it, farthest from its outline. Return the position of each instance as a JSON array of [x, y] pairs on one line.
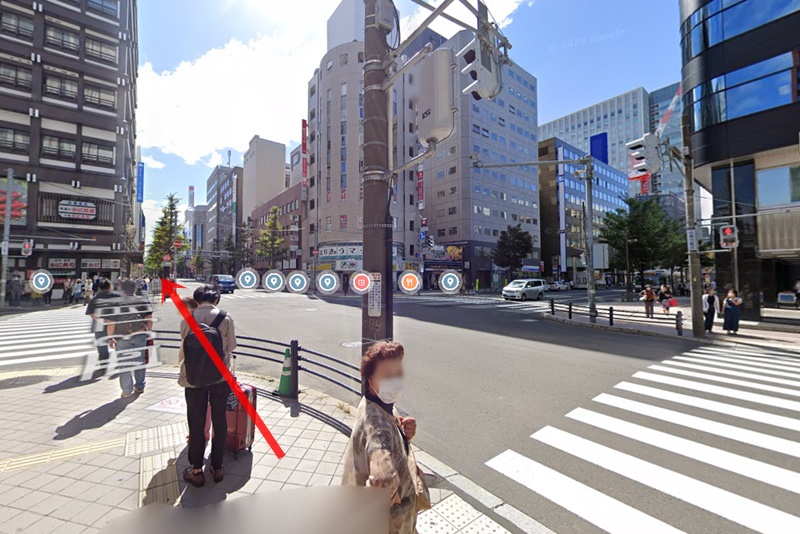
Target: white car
[[559, 286], [525, 289]]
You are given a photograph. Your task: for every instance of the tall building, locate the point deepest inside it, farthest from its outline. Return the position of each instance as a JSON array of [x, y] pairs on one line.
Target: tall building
[[196, 219], [741, 94], [264, 173], [292, 207], [346, 24], [67, 128], [667, 181], [223, 197], [467, 208], [563, 199], [296, 166]]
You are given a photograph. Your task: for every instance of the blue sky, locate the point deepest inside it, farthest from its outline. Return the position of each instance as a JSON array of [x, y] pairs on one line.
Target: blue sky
[[232, 69]]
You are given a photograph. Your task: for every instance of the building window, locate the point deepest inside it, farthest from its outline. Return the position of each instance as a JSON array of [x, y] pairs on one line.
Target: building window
[[49, 210], [453, 230], [57, 148], [104, 7], [440, 193], [61, 38], [327, 224], [17, 25], [779, 186], [101, 50], [440, 213], [452, 210], [311, 229], [343, 60], [14, 140], [15, 76], [99, 154], [361, 57], [411, 226], [65, 88], [454, 190], [441, 232], [410, 200], [452, 170], [101, 97]]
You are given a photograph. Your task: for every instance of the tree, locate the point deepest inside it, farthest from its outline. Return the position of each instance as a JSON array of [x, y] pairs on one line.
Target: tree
[[270, 240], [514, 245], [198, 263], [230, 249], [166, 229], [216, 259]]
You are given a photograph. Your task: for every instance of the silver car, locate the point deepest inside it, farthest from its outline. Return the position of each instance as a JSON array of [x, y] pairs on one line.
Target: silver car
[[525, 290]]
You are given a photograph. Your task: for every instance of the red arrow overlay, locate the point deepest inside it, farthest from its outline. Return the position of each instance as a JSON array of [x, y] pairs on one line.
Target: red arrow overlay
[[171, 288]]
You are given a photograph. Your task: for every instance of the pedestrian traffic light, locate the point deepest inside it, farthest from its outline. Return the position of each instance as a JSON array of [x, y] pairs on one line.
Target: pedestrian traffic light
[[431, 243], [424, 222], [729, 236], [27, 247], [482, 68], [647, 153]]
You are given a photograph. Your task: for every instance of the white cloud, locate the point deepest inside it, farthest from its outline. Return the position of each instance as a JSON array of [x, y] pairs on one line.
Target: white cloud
[[221, 99], [152, 162]]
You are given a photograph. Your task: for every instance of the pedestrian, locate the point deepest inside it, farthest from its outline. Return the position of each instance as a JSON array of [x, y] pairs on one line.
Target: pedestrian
[[797, 294], [191, 305], [48, 297], [128, 334], [89, 291], [204, 387], [95, 307], [69, 283], [664, 297], [16, 289], [378, 453], [648, 296], [732, 312], [711, 308], [346, 283]]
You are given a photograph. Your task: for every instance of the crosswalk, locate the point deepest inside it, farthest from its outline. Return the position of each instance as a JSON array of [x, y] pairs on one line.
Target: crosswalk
[[46, 337], [708, 441]]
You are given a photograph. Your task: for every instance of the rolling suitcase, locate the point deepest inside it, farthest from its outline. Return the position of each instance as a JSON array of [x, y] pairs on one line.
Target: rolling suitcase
[[241, 429]]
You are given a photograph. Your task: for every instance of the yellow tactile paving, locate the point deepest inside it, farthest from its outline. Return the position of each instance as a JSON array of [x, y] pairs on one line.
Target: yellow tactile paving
[[65, 453], [60, 371]]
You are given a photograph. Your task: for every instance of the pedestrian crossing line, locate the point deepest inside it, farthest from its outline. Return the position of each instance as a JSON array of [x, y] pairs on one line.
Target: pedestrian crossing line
[[80, 340], [39, 359], [750, 437], [724, 380], [719, 368], [756, 365], [722, 391], [765, 355], [788, 362], [73, 346], [735, 463], [4, 338], [48, 327], [733, 507], [758, 416], [727, 365], [595, 507]]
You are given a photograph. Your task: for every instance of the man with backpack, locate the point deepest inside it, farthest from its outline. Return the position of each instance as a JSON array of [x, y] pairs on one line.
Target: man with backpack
[[205, 384], [128, 332]]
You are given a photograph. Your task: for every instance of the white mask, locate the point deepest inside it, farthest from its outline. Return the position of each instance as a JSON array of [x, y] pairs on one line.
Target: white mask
[[390, 389]]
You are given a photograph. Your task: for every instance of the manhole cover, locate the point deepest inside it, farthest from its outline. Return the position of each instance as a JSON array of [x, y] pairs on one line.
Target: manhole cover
[[352, 344]]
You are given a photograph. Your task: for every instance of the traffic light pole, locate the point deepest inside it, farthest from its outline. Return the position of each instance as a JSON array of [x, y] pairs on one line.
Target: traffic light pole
[[6, 237], [589, 223], [698, 326]]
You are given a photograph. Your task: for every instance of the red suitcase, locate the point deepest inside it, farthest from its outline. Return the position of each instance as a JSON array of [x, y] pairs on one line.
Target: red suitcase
[[241, 429]]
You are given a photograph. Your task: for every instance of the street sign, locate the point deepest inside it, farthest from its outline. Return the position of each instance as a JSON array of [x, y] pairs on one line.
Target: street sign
[[374, 302], [423, 235], [315, 252], [360, 282], [166, 258], [410, 282], [177, 244], [691, 239]]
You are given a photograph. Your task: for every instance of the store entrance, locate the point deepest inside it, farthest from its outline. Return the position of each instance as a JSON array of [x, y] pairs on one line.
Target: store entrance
[[786, 305]]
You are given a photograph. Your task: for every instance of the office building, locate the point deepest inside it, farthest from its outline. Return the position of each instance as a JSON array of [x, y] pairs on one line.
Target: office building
[[292, 207], [224, 219], [346, 24], [264, 173], [668, 181], [563, 199], [674, 205], [67, 128], [740, 79], [296, 166], [195, 219]]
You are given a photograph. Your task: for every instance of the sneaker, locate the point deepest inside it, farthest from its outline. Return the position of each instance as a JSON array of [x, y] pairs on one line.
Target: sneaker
[[197, 480], [138, 391], [126, 395], [219, 474]]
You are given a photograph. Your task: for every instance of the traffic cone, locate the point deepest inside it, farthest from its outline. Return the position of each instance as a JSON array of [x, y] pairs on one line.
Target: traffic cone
[[285, 386]]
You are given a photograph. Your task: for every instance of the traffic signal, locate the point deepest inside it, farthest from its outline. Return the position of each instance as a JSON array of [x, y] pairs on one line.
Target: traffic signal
[[431, 243], [647, 152], [424, 222], [482, 68], [729, 236], [27, 247]]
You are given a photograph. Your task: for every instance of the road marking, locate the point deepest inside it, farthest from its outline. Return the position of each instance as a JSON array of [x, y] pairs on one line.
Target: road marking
[[718, 501], [722, 391], [735, 463], [46, 347], [741, 364], [736, 365], [767, 355], [722, 379], [787, 363], [719, 368], [595, 507]]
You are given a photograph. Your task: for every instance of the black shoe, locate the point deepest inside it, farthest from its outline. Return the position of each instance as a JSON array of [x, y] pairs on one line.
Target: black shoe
[[219, 474], [197, 480]]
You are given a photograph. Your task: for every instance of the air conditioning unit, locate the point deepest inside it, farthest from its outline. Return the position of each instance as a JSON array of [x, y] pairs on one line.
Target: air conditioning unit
[[294, 218]]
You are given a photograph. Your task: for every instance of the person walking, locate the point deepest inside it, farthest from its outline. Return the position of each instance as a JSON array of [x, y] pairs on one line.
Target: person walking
[[16, 289], [711, 309], [128, 335], [69, 283], [217, 324], [732, 312], [94, 308], [77, 291], [191, 305], [664, 297], [648, 296], [797, 294], [48, 297], [378, 453]]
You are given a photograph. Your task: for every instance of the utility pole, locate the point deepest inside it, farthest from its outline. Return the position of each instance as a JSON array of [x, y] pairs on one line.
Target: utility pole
[[589, 223], [6, 236], [698, 327], [377, 252]]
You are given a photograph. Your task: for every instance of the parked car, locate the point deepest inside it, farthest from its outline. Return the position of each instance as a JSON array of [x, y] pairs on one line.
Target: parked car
[[525, 289], [559, 286], [224, 283]]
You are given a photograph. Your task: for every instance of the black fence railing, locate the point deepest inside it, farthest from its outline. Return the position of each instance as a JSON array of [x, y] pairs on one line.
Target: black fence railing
[[300, 359], [611, 315]]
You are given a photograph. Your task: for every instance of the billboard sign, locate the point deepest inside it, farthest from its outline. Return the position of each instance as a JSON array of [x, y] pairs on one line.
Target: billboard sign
[[420, 188], [77, 209], [87, 263], [111, 264], [599, 147], [61, 263], [140, 182]]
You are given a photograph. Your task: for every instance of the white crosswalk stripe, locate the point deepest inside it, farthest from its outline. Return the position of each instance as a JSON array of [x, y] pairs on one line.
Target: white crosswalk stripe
[[721, 447], [46, 337]]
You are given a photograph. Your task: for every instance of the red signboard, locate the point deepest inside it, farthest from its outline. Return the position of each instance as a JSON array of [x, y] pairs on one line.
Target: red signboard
[[420, 188], [73, 209], [343, 222], [329, 197], [303, 142], [344, 194], [177, 244], [314, 252], [305, 168]]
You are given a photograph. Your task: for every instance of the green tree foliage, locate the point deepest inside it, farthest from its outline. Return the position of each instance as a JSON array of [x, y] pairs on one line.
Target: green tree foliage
[[167, 227], [514, 245], [216, 260], [229, 262], [270, 241], [198, 263]]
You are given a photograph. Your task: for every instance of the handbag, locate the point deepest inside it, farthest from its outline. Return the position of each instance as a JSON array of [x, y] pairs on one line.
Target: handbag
[[673, 302], [420, 486]]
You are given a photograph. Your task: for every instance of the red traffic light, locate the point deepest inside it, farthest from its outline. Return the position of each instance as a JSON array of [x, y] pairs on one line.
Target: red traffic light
[[727, 231]]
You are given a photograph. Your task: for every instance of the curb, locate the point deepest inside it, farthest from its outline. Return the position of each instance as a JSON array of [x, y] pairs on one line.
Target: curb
[[702, 341]]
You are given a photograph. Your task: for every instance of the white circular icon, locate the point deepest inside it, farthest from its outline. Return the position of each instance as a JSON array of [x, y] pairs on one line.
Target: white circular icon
[[450, 282], [41, 281], [360, 282], [247, 279], [298, 282], [410, 282], [328, 282], [274, 281]]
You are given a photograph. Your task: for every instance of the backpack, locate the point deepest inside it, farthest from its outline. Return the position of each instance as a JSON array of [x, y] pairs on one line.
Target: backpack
[[200, 368], [134, 321]]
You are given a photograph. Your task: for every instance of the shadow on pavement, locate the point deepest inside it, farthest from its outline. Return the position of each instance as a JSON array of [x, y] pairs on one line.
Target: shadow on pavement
[[69, 383], [237, 473], [95, 418], [22, 381]]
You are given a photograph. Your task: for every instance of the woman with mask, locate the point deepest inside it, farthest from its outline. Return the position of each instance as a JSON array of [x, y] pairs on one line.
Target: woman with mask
[[378, 453]]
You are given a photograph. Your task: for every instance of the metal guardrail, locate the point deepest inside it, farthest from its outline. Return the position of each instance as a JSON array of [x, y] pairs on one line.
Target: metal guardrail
[[299, 360], [611, 315]]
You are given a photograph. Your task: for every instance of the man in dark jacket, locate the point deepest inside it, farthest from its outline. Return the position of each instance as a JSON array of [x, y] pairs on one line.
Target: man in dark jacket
[[95, 309]]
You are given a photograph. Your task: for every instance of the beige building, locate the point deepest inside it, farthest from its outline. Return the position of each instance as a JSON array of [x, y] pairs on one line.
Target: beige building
[[264, 173]]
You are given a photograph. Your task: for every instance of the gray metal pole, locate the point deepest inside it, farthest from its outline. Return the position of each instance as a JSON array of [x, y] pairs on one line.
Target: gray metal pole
[[6, 236], [589, 224], [698, 327], [377, 255]]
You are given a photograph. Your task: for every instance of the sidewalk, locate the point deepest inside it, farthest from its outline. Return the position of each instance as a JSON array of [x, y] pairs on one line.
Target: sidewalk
[[75, 456], [747, 335]]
